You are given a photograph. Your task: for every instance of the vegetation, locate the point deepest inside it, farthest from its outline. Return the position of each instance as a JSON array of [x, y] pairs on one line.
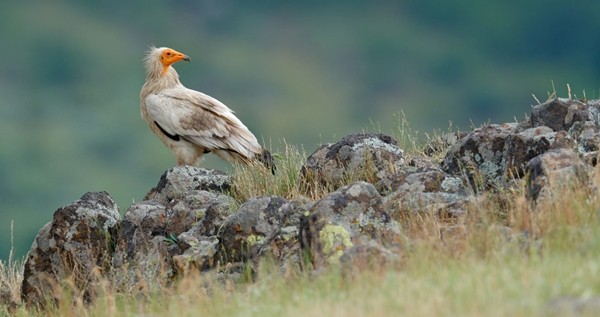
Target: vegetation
[[504, 258], [307, 72]]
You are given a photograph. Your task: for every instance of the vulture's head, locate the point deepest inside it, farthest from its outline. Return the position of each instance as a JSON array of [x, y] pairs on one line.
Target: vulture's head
[[163, 57]]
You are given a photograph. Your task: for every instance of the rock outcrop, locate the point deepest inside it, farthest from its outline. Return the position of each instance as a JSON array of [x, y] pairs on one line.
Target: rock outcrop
[[76, 246], [357, 156], [190, 222], [350, 216]]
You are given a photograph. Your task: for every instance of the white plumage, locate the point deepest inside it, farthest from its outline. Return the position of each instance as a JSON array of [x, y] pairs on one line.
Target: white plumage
[[189, 122]]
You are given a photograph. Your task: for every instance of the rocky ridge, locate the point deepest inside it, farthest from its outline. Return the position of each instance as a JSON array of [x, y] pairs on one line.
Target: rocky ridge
[[189, 221]]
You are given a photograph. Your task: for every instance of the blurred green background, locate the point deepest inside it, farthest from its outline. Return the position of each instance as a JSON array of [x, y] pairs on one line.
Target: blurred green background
[[307, 72]]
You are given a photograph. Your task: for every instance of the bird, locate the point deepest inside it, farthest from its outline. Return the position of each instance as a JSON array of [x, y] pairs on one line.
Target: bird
[[192, 123]]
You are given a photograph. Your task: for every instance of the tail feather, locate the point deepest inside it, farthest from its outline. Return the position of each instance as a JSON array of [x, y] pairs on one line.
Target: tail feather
[[264, 157], [267, 159]]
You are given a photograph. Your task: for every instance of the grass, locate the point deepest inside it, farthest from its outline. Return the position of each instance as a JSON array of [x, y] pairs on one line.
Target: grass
[[503, 258]]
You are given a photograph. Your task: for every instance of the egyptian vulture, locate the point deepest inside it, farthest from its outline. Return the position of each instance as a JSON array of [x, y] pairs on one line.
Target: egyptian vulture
[[189, 122]]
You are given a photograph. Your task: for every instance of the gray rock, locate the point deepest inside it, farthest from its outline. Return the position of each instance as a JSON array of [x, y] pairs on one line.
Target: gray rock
[[211, 219], [423, 162], [523, 146], [186, 200], [581, 111], [200, 254], [551, 114], [262, 226], [439, 143], [552, 170], [76, 246], [361, 156], [587, 136], [478, 156], [200, 244], [420, 179], [560, 114], [177, 182], [424, 190], [351, 215], [149, 235]]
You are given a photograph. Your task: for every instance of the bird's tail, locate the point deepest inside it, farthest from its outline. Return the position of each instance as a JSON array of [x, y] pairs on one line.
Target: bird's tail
[[267, 160], [264, 157]]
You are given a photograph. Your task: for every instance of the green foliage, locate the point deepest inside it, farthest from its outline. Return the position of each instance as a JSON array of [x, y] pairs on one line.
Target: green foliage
[[171, 239]]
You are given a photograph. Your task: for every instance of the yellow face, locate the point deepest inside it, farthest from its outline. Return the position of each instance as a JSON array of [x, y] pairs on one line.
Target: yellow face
[[170, 56]]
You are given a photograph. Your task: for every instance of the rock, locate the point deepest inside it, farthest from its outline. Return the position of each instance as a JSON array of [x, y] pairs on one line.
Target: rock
[[351, 215], [560, 114], [200, 244], [361, 156], [581, 111], [262, 226], [178, 181], [200, 253], [554, 169], [424, 190], [587, 136], [142, 252], [478, 156], [439, 143], [149, 235], [551, 114], [522, 146], [212, 219], [423, 162], [76, 246], [420, 179]]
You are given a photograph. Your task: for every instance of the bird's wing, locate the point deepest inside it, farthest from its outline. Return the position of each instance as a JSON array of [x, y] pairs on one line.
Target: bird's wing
[[201, 119]]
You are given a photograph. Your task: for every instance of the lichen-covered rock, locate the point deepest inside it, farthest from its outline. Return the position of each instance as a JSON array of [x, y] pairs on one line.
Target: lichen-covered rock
[[423, 162], [424, 190], [76, 245], [587, 137], [177, 182], [361, 156], [478, 156], [439, 143], [523, 146], [551, 114], [581, 111], [553, 170], [420, 179], [262, 226], [560, 114], [149, 234], [211, 218], [352, 215], [200, 253]]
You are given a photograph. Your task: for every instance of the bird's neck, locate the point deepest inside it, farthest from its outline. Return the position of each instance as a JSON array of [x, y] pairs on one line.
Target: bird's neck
[[163, 79]]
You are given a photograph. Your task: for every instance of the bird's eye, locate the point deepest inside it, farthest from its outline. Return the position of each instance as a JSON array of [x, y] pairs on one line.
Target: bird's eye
[[168, 53]]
